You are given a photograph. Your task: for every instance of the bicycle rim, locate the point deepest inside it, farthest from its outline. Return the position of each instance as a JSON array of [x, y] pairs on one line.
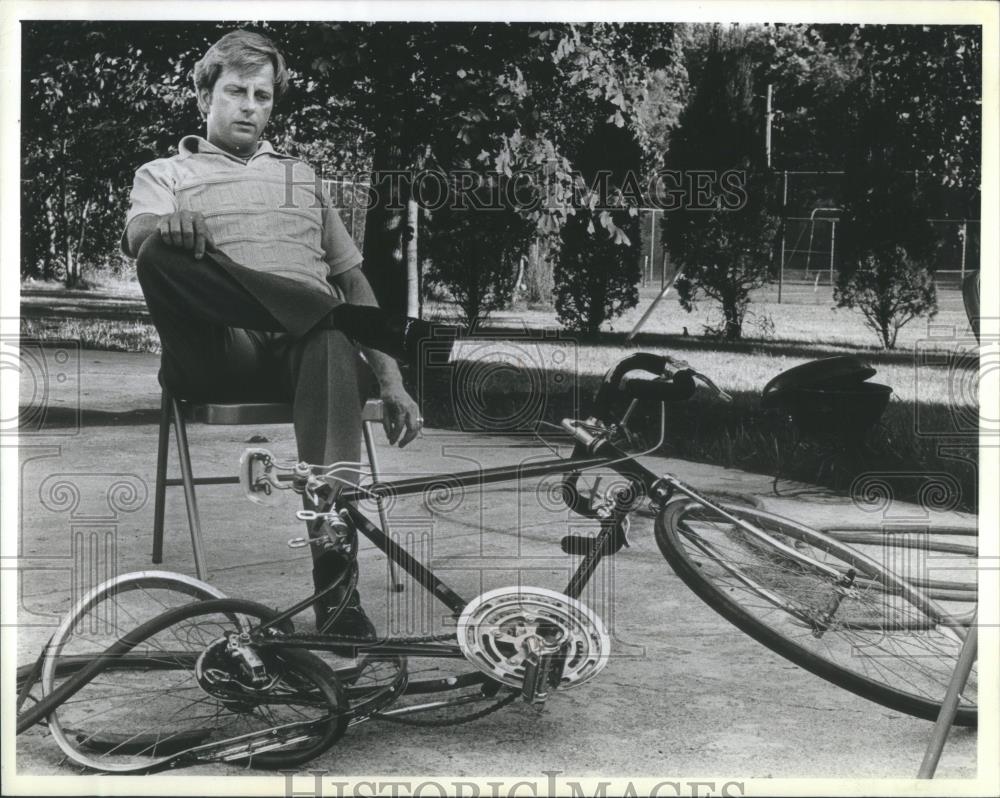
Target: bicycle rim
[[108, 611], [879, 638], [140, 706]]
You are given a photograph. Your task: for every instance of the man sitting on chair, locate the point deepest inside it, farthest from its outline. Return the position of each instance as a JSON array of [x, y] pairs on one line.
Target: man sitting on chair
[[250, 278]]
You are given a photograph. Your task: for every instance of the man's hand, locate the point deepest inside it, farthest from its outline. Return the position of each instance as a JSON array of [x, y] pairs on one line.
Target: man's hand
[[186, 230], [400, 413]]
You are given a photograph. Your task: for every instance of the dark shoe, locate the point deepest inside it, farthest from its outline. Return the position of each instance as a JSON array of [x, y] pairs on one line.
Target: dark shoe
[[352, 620]]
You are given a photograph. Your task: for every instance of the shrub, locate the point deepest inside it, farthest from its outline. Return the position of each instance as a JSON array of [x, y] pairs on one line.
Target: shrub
[[595, 275], [890, 290], [887, 240], [474, 255]]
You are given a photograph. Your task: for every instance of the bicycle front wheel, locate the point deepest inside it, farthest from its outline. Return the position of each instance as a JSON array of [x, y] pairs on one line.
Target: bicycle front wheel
[[819, 603], [173, 691]]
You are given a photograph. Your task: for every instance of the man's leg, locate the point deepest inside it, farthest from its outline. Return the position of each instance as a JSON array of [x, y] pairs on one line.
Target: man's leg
[[220, 291], [324, 382], [199, 313]]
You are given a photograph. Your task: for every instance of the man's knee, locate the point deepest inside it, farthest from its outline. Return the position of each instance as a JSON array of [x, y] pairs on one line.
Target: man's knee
[[155, 257], [151, 258]]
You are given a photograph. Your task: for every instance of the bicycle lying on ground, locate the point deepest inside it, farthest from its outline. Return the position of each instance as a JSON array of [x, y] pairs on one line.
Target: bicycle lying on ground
[[155, 670]]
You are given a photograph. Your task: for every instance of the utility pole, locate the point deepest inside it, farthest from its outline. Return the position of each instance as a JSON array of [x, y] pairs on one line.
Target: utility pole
[[784, 213], [768, 116]]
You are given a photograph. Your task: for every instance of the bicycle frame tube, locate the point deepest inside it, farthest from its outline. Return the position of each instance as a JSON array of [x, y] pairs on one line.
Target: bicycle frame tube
[[667, 484], [407, 487], [400, 556]]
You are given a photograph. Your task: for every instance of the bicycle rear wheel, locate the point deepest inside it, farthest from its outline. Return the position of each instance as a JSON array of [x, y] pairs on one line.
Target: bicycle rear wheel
[[106, 613], [871, 633], [169, 692]]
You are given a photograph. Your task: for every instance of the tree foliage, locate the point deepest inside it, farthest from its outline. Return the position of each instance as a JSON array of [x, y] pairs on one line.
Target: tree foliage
[[558, 101], [500, 100], [595, 277], [721, 239]]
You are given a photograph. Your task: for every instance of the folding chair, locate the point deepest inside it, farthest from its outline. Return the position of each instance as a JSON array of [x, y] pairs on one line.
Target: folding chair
[[178, 412]]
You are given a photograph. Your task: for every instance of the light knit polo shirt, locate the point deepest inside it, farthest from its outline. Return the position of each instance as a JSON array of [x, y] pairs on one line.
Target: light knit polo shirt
[[268, 212]]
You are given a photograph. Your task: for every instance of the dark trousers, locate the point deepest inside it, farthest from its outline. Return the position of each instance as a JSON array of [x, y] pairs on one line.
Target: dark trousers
[[230, 333]]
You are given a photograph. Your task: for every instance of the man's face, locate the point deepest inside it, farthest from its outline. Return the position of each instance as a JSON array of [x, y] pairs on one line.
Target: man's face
[[237, 108]]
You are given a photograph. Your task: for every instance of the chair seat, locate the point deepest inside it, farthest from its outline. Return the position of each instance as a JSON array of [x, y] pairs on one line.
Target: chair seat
[[242, 413], [257, 412]]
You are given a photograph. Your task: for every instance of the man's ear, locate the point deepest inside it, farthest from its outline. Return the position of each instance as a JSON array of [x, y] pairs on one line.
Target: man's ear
[[204, 101]]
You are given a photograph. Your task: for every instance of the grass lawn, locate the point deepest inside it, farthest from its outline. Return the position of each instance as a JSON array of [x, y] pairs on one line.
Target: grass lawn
[[522, 367]]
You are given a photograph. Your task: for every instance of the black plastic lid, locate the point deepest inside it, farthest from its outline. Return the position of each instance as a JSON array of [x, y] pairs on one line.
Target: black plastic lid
[[838, 371]]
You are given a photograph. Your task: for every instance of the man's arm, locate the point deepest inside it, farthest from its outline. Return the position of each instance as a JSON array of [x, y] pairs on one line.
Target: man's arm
[[401, 411], [138, 230], [184, 229]]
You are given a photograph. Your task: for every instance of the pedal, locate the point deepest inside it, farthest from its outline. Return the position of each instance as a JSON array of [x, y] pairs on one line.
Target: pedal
[[578, 545], [537, 666], [581, 545]]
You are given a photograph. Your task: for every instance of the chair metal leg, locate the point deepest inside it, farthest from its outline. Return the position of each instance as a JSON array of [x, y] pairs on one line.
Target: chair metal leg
[[160, 491], [187, 477], [366, 427], [966, 659]]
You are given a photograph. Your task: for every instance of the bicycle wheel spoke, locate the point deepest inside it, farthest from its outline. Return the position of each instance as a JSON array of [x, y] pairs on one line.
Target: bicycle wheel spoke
[[831, 609], [147, 706]]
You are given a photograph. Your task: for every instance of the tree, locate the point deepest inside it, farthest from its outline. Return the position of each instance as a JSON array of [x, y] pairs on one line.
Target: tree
[[887, 241], [721, 238], [595, 275]]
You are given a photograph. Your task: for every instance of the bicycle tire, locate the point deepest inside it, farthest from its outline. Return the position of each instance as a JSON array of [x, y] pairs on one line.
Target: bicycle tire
[[783, 604], [162, 737], [109, 610]]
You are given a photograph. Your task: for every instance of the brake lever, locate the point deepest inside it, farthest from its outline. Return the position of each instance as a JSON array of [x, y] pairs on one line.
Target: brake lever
[[676, 363]]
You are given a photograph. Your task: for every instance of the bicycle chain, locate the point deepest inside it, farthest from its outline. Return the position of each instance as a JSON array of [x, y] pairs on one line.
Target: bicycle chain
[[348, 641], [406, 721]]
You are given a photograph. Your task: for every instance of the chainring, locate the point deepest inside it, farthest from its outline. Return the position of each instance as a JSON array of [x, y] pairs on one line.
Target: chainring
[[495, 629]]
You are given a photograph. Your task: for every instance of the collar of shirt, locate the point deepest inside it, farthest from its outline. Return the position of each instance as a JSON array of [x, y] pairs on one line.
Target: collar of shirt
[[189, 145]]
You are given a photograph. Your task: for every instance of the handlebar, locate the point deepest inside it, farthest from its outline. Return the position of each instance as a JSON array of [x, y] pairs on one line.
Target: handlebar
[[675, 381]]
